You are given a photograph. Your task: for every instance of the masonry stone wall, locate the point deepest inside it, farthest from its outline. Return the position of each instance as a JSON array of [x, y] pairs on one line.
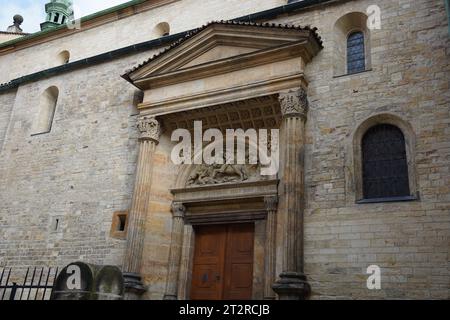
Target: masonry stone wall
[[409, 241], [181, 15], [83, 171], [80, 173], [6, 106]]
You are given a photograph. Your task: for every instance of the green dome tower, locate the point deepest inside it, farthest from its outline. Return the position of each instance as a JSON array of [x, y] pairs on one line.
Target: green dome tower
[[58, 12]]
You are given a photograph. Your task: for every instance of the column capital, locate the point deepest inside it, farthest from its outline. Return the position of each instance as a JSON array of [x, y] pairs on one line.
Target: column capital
[[271, 203], [149, 128], [294, 103], [178, 210]]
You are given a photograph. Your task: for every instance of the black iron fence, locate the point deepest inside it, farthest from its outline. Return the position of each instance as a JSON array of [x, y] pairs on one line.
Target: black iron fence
[[37, 284]]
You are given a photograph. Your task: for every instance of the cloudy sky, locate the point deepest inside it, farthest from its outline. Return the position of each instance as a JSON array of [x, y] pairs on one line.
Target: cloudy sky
[[33, 11]]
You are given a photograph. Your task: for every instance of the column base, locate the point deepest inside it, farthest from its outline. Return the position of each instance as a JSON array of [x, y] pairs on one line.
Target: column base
[[292, 286], [134, 288], [170, 297], [269, 298]]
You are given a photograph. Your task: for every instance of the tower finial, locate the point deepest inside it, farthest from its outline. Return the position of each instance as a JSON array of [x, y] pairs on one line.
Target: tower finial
[[58, 12]]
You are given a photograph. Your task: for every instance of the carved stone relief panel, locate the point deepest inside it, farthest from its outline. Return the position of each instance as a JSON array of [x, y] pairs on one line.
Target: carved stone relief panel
[[226, 173]]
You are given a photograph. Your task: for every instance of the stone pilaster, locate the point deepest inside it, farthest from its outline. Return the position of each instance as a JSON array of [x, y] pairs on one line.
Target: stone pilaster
[[270, 246], [150, 132], [178, 213], [292, 284]]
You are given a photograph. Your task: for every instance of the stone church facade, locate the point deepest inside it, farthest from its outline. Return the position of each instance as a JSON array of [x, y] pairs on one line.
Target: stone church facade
[[359, 90]]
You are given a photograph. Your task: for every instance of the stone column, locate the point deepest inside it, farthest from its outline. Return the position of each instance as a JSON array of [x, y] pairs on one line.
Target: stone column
[[150, 132], [270, 245], [292, 284], [176, 246]]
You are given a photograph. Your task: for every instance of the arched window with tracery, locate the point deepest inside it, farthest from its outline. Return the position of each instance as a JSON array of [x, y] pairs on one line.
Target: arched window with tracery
[[384, 163]]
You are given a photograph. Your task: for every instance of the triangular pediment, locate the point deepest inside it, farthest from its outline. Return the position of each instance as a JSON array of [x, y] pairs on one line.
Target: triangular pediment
[[218, 52], [220, 43]]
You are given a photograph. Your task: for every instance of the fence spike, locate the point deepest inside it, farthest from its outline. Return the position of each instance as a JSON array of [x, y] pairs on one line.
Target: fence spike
[[39, 284], [37, 276], [6, 284], [1, 277], [46, 283], [31, 285], [24, 282]]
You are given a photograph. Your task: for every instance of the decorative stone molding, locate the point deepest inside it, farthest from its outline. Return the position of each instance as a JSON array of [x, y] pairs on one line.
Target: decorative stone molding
[[149, 128], [227, 173], [294, 103], [255, 113]]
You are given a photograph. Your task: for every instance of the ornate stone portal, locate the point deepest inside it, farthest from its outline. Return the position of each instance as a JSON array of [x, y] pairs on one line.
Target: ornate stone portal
[[191, 81], [205, 182]]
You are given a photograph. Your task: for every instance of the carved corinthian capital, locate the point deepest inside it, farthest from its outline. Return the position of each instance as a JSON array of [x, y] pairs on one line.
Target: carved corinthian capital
[[294, 103], [149, 128], [178, 210]]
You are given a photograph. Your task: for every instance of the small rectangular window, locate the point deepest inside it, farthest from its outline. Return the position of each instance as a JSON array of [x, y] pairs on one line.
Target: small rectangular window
[[119, 225], [122, 222], [56, 225]]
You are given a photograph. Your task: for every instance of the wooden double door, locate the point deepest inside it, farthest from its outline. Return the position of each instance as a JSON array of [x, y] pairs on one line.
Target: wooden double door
[[223, 262]]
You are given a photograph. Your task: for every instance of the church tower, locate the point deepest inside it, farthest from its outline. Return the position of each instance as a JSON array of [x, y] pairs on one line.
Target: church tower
[[58, 12]]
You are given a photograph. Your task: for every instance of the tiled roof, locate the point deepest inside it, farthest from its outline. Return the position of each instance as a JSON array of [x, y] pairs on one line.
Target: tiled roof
[[224, 22], [15, 33]]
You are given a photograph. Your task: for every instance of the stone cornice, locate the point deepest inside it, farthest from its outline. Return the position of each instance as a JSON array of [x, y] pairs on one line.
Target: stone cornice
[[226, 65], [248, 34], [192, 75]]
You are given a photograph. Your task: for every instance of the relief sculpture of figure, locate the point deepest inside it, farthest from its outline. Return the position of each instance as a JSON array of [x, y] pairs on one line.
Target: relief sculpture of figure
[[201, 176], [216, 174], [229, 172]]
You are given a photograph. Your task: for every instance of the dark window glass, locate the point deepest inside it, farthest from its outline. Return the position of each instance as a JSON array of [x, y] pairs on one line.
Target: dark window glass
[[122, 223], [356, 58], [385, 168]]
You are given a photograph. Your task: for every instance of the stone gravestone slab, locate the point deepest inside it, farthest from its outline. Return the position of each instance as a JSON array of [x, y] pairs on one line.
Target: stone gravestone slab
[[81, 281]]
